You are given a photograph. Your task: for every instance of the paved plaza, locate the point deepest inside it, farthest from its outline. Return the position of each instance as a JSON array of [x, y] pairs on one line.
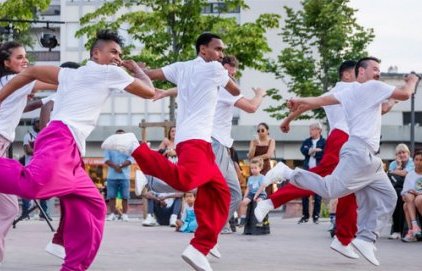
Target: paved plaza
[[127, 246]]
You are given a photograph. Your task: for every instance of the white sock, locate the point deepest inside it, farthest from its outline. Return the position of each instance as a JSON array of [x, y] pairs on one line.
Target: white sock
[[289, 173]]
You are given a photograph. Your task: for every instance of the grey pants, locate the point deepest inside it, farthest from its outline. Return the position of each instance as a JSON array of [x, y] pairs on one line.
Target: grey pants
[[226, 166], [361, 172]]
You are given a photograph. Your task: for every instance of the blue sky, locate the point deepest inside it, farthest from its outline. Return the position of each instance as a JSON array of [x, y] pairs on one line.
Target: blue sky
[[398, 30]]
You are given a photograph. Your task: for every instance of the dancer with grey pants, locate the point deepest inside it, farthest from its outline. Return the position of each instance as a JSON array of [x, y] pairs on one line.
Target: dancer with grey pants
[[359, 171]]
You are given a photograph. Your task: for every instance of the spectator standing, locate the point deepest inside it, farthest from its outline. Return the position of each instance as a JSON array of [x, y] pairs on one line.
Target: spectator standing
[[313, 150], [117, 180]]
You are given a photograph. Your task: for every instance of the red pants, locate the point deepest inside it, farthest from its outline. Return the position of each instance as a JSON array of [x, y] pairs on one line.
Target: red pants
[[346, 216], [196, 168]]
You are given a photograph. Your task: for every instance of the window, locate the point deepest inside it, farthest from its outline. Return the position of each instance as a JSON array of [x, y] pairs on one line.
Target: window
[[418, 118], [217, 7]]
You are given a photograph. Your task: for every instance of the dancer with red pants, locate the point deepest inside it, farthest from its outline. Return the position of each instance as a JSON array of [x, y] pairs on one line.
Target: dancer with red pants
[[197, 83], [56, 168], [346, 217]]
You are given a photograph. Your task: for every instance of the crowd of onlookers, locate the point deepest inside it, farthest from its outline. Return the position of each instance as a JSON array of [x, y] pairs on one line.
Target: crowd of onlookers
[[166, 206]]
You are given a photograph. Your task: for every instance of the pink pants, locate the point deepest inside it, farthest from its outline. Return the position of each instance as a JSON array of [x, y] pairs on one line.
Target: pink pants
[[9, 207], [56, 170], [196, 168], [346, 215]]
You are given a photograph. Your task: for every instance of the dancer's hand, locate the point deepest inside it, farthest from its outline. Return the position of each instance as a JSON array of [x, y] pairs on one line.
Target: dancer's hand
[[285, 125], [159, 94], [131, 66], [259, 92]]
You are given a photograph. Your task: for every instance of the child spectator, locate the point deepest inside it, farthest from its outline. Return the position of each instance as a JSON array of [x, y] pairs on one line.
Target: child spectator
[[188, 221], [412, 197], [252, 191]]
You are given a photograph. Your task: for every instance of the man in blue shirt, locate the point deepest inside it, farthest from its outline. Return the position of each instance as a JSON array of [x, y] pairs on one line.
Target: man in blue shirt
[[118, 182]]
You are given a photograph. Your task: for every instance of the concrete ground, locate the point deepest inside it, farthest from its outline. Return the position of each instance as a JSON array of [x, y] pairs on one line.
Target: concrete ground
[[127, 246]]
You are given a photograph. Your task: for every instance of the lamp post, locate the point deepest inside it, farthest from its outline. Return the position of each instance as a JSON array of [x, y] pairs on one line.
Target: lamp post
[[412, 118]]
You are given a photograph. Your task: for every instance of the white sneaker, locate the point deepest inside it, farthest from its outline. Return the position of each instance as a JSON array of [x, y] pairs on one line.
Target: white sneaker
[[395, 236], [344, 250], [125, 143], [149, 221], [173, 219], [367, 250], [262, 208], [111, 217], [196, 259], [279, 173], [125, 217], [56, 250], [140, 182], [215, 252]]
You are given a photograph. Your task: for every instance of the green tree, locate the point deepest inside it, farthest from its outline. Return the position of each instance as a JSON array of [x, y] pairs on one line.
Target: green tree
[[19, 10], [319, 37], [167, 30]]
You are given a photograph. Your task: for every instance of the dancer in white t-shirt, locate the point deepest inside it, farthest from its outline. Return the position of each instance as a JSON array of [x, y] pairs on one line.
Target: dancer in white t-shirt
[[359, 171], [222, 127], [197, 81], [57, 168], [13, 60]]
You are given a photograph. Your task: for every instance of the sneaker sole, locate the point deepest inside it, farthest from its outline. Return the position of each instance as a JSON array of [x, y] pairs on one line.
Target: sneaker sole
[[192, 264], [345, 255]]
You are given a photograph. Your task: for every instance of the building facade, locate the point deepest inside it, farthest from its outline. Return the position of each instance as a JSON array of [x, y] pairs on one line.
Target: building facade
[[126, 111]]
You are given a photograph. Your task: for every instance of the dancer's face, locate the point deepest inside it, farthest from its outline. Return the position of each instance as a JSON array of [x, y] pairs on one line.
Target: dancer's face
[[109, 53], [232, 70], [214, 51], [17, 61], [371, 72]]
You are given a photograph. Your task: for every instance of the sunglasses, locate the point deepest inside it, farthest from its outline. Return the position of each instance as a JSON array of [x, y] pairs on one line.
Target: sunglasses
[[260, 131]]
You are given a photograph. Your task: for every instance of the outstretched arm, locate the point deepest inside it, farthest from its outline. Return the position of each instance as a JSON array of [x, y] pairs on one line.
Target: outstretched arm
[[251, 105], [310, 103], [285, 124], [47, 74], [161, 93], [404, 92]]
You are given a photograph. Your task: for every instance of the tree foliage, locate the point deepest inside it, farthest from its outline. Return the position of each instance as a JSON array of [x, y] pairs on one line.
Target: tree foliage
[[166, 30], [20, 10], [319, 37]]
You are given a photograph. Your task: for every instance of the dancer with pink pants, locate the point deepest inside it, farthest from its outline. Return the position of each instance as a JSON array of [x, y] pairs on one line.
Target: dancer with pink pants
[[56, 168]]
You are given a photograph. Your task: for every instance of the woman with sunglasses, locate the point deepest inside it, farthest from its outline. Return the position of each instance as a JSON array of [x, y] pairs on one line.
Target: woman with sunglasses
[[263, 146]]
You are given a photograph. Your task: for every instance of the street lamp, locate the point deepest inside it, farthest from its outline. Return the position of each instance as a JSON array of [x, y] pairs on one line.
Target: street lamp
[[412, 117]]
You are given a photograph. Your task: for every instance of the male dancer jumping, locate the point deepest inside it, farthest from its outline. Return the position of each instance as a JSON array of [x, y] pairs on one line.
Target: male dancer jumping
[[359, 170], [221, 131], [339, 133], [198, 82], [56, 168]]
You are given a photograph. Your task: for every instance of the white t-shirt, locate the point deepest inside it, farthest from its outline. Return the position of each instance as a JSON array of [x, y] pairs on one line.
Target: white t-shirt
[[413, 181], [197, 85], [82, 93], [224, 110], [362, 108], [12, 107], [335, 113], [312, 161], [29, 139]]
